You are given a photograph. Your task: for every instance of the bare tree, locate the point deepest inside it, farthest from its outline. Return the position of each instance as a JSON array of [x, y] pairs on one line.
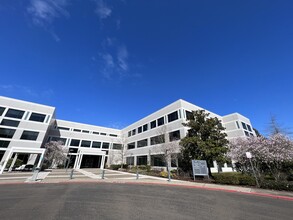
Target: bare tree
[[118, 155], [56, 153]]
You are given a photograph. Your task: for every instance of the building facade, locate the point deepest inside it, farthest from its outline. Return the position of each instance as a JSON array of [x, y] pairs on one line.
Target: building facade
[[26, 127]]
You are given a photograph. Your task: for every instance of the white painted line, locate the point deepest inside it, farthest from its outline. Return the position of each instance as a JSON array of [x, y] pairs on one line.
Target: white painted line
[[14, 177]]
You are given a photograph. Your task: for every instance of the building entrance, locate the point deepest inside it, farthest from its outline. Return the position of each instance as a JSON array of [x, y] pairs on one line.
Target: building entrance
[[91, 161]]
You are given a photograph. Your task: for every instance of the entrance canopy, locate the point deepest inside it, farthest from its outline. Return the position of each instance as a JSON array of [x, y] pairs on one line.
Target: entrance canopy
[[89, 151], [23, 150]]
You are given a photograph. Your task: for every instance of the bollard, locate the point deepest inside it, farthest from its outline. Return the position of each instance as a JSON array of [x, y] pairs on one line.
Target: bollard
[[103, 174], [35, 174], [137, 174], [71, 174], [169, 176]]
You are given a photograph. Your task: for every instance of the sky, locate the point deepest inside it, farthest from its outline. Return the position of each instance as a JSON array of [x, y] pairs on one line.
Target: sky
[[111, 63]]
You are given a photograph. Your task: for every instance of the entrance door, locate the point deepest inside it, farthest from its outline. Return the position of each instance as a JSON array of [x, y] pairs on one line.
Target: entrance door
[[91, 161]]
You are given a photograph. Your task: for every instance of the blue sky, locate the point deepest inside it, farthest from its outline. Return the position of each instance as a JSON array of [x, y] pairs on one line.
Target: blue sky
[[110, 63]]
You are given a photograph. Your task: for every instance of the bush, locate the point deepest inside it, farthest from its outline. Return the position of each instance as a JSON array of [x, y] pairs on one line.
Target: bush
[[234, 179], [164, 174], [115, 166], [145, 167], [281, 185], [17, 163]]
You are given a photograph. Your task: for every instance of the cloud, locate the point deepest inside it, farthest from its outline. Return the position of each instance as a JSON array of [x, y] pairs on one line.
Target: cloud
[[44, 12], [122, 56], [19, 89], [102, 10]]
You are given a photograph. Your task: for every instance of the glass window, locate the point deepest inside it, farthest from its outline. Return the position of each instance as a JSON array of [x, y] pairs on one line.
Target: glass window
[[113, 135], [63, 128], [131, 145], [130, 160], [1, 110], [158, 139], [246, 133], [145, 127], [10, 123], [13, 113], [37, 117], [85, 143], [244, 125], [96, 144], [133, 132], [4, 144], [29, 135], [59, 139], [139, 129], [105, 145], [73, 150], [174, 135], [142, 143], [173, 116], [77, 130], [189, 115], [161, 121], [96, 132], [158, 160], [102, 133], [249, 128], [117, 146], [237, 125], [251, 134], [6, 132], [85, 131], [142, 160], [153, 124], [74, 142], [129, 133]]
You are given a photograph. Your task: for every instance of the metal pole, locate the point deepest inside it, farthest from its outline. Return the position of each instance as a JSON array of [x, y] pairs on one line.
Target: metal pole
[[169, 175], [137, 174], [257, 183], [103, 174], [71, 174]]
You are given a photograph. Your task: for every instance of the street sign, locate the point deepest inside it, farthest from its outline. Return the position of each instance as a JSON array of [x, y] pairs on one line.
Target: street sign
[[200, 168]]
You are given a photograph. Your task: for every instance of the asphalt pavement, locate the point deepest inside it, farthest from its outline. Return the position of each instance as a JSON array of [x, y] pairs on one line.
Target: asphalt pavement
[[129, 201]]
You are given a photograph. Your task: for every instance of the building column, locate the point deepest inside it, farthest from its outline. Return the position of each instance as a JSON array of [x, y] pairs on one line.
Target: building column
[[41, 159], [76, 161], [102, 162], [6, 160], [13, 162]]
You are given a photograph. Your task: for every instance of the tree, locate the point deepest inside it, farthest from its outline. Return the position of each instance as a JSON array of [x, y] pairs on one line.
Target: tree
[[205, 140], [56, 153], [119, 155]]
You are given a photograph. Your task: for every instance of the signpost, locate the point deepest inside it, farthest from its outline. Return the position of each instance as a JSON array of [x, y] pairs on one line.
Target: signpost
[[249, 156], [199, 168]]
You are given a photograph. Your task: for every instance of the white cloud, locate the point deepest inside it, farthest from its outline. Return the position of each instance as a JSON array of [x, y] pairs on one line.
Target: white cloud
[[102, 10], [122, 57], [19, 89]]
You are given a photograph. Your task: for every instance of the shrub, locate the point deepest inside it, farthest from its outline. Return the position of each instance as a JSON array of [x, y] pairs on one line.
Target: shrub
[[17, 163], [115, 166], [234, 179], [281, 185], [164, 174]]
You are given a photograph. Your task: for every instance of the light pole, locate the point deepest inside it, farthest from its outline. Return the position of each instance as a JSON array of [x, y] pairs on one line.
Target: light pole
[[249, 156]]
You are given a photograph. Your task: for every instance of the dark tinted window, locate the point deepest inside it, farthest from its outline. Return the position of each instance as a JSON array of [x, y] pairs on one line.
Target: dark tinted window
[[37, 117], [113, 135], [74, 142], [96, 132], [161, 121], [244, 125], [29, 135], [142, 160], [246, 133], [13, 113], [96, 144], [129, 133], [237, 125], [139, 129], [63, 128], [157, 160], [130, 160], [133, 132], [174, 135], [153, 124], [85, 131], [4, 144], [117, 146], [145, 127], [1, 110], [102, 133], [142, 143], [131, 145], [73, 150], [189, 115], [249, 128], [59, 139], [77, 130], [85, 144], [158, 139], [10, 123], [6, 132], [105, 145], [173, 116]]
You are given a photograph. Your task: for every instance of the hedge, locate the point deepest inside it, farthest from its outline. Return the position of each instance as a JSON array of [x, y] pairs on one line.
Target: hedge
[[234, 179], [281, 185]]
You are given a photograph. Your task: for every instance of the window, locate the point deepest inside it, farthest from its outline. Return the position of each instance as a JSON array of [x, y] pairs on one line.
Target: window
[[131, 145], [174, 135], [251, 135], [139, 130], [4, 144], [63, 128], [158, 139], [10, 123], [1, 110], [129, 133], [130, 160], [77, 130], [62, 140], [249, 128], [6, 133], [160, 121], [103, 134], [113, 135], [105, 145], [85, 131], [37, 117], [157, 160], [142, 160], [117, 146], [74, 142], [153, 124], [237, 125], [142, 143], [246, 133], [96, 132], [173, 116], [85, 143], [244, 125], [96, 144], [133, 132], [145, 127], [73, 150], [189, 115], [13, 113], [29, 135]]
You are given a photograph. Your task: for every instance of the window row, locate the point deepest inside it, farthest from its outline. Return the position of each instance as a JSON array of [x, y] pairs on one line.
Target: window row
[[155, 160], [18, 114], [159, 139], [244, 126], [86, 131], [153, 124], [26, 135]]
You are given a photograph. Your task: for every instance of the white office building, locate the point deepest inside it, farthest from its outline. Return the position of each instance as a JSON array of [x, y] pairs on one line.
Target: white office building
[[26, 127]]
